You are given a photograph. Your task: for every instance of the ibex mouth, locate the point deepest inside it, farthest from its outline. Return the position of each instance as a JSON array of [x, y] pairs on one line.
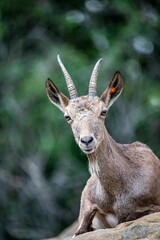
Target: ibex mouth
[[88, 151]]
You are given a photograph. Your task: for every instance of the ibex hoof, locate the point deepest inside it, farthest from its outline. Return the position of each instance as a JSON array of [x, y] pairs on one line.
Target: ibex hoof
[[81, 231]]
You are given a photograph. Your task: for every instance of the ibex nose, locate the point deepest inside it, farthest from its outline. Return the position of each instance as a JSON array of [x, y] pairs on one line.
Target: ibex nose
[[86, 140]]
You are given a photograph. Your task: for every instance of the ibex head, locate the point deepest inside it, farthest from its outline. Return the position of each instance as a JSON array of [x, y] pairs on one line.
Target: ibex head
[[85, 114]]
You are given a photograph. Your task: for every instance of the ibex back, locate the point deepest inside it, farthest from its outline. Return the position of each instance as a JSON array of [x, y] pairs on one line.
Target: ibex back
[[125, 178]]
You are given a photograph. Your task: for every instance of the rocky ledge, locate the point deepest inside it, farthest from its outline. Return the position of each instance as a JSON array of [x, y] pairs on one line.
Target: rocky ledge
[[146, 228]]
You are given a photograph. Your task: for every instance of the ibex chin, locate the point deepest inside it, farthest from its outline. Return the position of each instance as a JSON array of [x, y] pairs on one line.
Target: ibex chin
[[125, 178]]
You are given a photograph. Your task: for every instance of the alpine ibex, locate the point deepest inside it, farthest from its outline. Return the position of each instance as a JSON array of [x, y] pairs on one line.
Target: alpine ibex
[[125, 178]]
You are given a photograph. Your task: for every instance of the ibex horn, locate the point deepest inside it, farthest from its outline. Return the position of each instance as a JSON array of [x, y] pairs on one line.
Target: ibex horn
[[70, 85], [93, 79]]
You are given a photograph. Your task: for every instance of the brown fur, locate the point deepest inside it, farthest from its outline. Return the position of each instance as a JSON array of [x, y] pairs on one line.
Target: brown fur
[[125, 178]]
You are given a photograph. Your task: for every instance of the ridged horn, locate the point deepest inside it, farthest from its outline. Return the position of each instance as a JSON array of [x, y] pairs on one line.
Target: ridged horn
[[70, 84], [93, 79]]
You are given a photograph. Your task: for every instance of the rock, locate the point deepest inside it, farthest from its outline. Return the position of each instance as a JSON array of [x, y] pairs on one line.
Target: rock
[[145, 228]]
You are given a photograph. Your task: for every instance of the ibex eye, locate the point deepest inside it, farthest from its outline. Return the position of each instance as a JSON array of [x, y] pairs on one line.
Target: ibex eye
[[68, 118], [103, 113]]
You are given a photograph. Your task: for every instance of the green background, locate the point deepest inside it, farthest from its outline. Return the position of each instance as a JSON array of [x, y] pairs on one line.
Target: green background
[[42, 170]]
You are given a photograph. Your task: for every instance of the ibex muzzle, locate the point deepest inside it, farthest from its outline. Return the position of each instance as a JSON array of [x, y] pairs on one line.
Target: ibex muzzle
[[87, 136], [87, 143]]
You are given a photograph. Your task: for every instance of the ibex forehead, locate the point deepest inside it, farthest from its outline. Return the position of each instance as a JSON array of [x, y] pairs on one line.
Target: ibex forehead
[[85, 104]]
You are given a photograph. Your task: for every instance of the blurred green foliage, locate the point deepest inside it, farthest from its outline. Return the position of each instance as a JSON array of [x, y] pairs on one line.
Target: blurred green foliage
[[42, 171]]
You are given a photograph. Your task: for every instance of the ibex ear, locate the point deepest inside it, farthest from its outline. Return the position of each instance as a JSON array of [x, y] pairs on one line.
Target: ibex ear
[[55, 96], [113, 91]]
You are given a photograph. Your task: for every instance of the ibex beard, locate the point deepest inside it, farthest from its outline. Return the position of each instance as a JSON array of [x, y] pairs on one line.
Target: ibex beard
[[125, 178]]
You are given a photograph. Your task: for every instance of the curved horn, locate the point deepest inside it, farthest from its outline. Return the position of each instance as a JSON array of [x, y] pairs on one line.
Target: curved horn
[[93, 79], [70, 85]]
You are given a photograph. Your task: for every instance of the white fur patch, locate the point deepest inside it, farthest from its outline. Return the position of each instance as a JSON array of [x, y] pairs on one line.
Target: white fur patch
[[94, 167]]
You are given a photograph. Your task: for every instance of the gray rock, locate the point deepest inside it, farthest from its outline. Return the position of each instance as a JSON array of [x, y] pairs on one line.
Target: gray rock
[[145, 228]]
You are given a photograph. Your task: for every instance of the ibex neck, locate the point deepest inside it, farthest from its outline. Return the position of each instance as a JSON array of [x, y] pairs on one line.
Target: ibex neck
[[107, 162]]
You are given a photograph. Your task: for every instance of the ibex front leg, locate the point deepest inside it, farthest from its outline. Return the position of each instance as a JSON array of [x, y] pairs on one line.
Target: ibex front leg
[[87, 213], [88, 208]]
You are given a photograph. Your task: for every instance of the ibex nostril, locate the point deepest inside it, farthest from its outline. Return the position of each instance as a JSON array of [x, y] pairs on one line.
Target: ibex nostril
[[87, 140]]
